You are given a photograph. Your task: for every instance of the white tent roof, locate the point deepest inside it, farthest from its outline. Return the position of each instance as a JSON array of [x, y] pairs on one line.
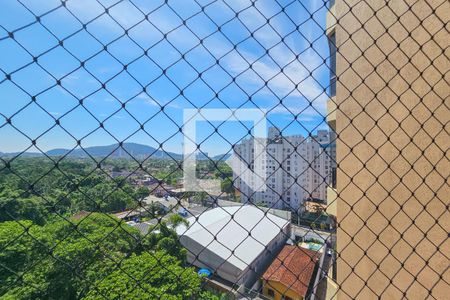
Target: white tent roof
[[233, 234]]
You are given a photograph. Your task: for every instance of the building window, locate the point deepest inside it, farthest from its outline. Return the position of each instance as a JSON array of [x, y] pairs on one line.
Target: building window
[[270, 293], [332, 43]]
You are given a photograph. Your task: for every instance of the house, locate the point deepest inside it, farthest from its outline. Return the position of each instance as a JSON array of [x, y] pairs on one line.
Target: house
[[160, 190], [121, 173], [289, 275], [144, 227], [146, 181], [166, 204], [236, 243], [129, 215], [315, 205]]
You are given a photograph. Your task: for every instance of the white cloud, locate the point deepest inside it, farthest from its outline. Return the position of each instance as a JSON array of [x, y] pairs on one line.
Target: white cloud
[[71, 77], [288, 76], [146, 99], [143, 97], [314, 5], [295, 82]]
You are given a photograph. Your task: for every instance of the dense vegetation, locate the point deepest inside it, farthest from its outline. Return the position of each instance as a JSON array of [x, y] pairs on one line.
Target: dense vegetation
[[36, 188], [48, 253], [96, 257]]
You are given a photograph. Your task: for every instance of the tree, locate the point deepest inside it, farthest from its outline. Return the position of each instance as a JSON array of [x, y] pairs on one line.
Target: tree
[[32, 209], [200, 197], [150, 276], [223, 170], [154, 209], [78, 259], [104, 197], [141, 193], [167, 240], [176, 220], [16, 244], [227, 186], [48, 255], [77, 253]]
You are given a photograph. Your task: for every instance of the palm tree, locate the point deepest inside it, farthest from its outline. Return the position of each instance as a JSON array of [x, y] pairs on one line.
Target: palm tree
[[176, 220]]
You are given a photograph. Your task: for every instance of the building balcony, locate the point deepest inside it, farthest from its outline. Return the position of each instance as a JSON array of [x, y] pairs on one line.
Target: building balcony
[[331, 18], [332, 289], [331, 113], [331, 201]]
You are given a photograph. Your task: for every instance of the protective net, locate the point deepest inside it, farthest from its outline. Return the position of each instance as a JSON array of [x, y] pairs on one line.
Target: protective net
[[227, 149]]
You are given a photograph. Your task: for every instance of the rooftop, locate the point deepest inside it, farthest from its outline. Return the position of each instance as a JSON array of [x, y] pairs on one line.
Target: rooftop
[[144, 227], [169, 201], [129, 213], [232, 234], [296, 271]]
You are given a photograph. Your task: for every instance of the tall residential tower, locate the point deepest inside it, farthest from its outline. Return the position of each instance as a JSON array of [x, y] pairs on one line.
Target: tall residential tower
[[297, 168]]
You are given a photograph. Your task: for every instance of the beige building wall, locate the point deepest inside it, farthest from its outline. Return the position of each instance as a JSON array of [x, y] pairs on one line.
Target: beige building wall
[[392, 120]]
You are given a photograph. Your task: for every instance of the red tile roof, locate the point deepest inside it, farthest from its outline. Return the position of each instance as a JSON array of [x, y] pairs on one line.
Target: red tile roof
[[297, 268]]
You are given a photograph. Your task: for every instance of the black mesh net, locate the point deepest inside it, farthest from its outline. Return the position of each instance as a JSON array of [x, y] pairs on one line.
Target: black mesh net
[[228, 149]]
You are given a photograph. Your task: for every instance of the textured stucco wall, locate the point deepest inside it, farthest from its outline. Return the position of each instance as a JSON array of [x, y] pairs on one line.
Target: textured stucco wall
[[393, 125], [280, 290]]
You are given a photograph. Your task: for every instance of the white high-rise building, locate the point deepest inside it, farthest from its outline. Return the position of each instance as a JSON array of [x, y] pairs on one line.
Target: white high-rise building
[[297, 168]]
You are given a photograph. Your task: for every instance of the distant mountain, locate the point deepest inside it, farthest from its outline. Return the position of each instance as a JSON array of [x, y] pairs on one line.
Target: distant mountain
[[202, 156], [21, 154], [221, 156], [114, 151]]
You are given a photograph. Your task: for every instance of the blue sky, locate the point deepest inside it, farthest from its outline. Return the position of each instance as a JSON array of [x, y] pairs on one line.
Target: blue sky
[[223, 59]]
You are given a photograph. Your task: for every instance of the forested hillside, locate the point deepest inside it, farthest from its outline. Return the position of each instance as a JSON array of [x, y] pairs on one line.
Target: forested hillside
[[47, 251]]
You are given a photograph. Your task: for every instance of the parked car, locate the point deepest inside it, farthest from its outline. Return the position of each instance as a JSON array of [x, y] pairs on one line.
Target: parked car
[[183, 212]]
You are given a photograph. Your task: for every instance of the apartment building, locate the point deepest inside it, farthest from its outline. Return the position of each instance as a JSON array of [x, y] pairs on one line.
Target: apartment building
[[297, 168], [387, 106]]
